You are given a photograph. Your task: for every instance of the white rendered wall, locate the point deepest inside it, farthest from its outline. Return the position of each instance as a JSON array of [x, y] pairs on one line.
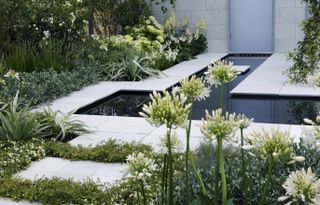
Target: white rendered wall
[[288, 15]]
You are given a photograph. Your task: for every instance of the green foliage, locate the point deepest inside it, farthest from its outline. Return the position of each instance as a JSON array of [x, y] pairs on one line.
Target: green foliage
[[19, 124], [62, 127], [54, 191], [307, 55], [111, 17], [37, 20], [15, 156], [52, 55], [45, 86], [110, 151]]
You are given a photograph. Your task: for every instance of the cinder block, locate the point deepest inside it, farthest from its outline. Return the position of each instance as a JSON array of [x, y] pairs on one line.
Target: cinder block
[[180, 15], [291, 15], [285, 31], [218, 45], [191, 4], [217, 4], [212, 16], [299, 32], [218, 31], [197, 16], [285, 45], [285, 3], [224, 16]]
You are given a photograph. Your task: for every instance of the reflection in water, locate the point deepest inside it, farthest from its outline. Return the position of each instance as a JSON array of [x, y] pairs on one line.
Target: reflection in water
[[122, 105], [300, 110]]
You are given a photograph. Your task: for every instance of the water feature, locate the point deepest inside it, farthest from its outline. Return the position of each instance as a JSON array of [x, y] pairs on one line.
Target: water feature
[[267, 109]]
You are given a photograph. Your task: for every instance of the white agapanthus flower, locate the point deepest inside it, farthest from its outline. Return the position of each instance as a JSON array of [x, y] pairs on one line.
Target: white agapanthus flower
[[12, 74], [176, 144], [311, 136], [221, 72], [302, 186], [193, 88], [139, 166]]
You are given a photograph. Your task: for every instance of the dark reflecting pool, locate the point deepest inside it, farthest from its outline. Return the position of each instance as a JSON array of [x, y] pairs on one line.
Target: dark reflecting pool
[[263, 108]]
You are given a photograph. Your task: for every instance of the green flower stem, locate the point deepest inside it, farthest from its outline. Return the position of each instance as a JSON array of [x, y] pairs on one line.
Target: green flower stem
[[222, 172], [267, 185], [144, 197], [221, 95], [170, 165], [243, 170], [164, 179], [188, 131], [216, 181], [198, 176]]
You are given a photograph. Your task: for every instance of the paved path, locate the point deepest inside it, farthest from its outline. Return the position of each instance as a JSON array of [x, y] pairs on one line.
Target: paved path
[[270, 79], [168, 78]]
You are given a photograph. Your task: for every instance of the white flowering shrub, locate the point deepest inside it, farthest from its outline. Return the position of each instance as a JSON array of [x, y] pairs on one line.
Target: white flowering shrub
[[15, 156]]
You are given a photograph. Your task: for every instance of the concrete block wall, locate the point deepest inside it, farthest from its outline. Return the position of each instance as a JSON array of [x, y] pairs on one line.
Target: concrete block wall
[[214, 12], [288, 15]]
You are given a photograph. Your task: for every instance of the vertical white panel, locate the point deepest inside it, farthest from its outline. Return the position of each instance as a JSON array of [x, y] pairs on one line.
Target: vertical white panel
[[251, 25]]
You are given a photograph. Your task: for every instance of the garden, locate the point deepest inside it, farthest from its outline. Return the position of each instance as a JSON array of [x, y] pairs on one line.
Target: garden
[[50, 49]]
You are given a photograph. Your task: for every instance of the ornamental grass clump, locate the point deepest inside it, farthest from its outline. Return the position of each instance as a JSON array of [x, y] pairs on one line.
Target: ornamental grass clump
[[221, 128], [140, 168], [219, 73], [194, 89], [172, 111], [272, 146], [302, 187]]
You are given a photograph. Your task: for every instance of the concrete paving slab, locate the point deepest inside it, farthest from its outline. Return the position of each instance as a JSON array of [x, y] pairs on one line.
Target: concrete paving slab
[[78, 171]]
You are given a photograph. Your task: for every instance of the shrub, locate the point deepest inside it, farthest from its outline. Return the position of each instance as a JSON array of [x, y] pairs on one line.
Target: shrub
[[19, 124], [37, 20], [111, 17], [307, 55]]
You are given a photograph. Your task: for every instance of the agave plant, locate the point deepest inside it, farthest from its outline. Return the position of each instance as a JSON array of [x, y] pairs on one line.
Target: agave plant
[[18, 124], [61, 127]]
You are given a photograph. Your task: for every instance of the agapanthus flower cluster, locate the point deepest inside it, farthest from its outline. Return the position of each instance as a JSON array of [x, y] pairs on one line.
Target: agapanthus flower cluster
[[242, 121], [139, 166], [302, 187], [166, 109], [275, 143], [193, 88], [218, 125], [176, 144], [311, 137], [221, 72], [12, 74]]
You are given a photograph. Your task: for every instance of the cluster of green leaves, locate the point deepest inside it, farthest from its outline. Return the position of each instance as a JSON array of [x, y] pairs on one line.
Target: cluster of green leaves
[[307, 55], [108, 152], [54, 191]]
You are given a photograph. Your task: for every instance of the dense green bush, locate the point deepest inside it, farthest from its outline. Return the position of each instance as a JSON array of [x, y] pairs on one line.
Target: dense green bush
[[37, 20], [307, 55]]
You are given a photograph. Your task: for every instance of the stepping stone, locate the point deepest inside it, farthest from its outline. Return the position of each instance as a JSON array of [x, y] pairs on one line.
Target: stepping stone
[[6, 201], [78, 171]]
